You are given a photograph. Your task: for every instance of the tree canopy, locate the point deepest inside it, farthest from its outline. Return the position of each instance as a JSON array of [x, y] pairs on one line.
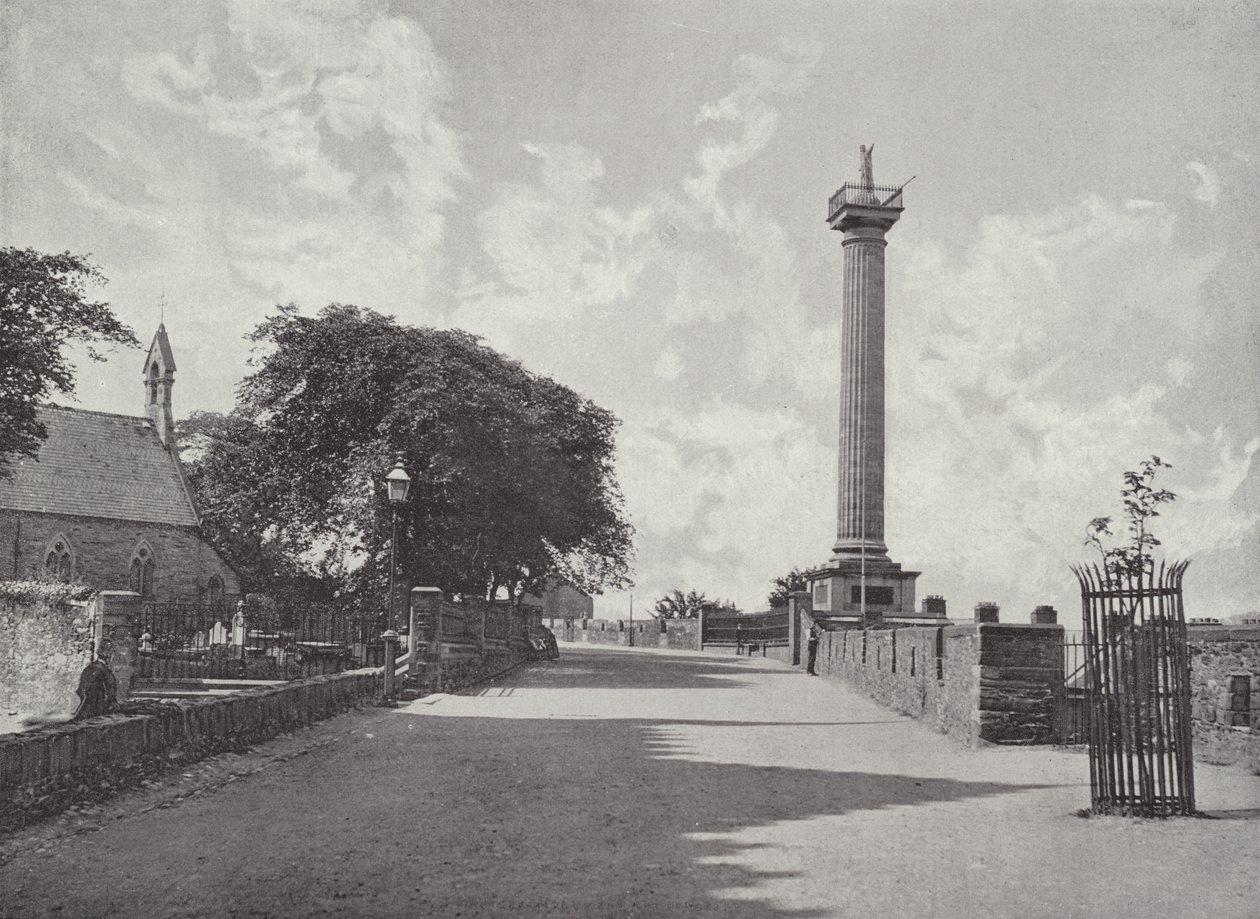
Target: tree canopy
[[783, 587], [512, 473], [44, 307], [679, 605]]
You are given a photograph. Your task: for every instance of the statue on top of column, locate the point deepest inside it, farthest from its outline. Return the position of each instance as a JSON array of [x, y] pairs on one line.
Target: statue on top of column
[[867, 174]]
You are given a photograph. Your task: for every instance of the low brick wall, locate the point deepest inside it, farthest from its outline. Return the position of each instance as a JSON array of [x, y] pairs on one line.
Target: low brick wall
[[983, 682], [40, 770], [1226, 723], [675, 634], [45, 646]]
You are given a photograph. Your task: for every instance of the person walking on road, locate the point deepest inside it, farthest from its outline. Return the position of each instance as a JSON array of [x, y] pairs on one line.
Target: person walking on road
[[812, 645]]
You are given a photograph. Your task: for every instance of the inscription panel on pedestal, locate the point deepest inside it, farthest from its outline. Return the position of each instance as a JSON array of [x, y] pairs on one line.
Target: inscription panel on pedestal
[[875, 596]]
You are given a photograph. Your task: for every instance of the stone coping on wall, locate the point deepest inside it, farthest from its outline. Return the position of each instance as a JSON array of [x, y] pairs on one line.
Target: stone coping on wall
[[1222, 633], [968, 628], [248, 716]]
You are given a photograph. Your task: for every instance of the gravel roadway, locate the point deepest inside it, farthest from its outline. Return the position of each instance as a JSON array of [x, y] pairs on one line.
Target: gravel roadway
[[624, 782]]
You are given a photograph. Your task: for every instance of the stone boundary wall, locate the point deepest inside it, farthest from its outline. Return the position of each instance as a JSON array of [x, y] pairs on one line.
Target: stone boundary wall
[[672, 634], [41, 770], [978, 683], [454, 674], [44, 646], [1226, 724], [45, 769]]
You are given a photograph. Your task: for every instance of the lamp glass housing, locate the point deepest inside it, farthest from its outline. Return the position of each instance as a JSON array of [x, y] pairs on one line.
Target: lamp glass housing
[[397, 484]]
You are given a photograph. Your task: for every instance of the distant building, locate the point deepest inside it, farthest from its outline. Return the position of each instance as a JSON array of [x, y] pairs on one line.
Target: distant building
[[106, 503], [562, 601]]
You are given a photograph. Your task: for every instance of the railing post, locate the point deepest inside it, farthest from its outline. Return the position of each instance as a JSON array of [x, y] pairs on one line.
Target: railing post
[[238, 639], [390, 637]]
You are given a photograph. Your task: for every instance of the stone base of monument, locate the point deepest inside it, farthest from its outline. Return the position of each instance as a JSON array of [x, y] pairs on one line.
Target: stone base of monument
[[837, 594]]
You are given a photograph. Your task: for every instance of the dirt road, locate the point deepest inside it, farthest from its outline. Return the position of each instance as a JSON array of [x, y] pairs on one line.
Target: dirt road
[[633, 783]]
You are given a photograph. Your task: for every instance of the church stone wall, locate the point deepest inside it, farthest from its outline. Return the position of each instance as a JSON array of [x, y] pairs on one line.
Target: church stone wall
[[184, 561]]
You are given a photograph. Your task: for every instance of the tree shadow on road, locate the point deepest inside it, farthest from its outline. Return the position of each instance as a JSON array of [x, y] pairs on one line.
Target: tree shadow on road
[[488, 817], [477, 814], [542, 817]]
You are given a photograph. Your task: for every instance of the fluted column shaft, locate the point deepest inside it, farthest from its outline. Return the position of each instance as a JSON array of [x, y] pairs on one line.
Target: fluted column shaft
[[860, 522]]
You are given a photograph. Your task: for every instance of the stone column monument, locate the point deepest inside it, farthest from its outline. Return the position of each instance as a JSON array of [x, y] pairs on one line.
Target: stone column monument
[[864, 212]]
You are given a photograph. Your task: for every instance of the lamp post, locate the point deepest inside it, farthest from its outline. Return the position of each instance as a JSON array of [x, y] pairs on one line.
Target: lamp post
[[397, 484]]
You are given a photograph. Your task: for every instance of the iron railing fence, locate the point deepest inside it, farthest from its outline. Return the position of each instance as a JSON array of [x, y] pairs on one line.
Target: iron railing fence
[[758, 628], [185, 641], [855, 193], [1137, 679], [180, 641], [1071, 704], [292, 639]]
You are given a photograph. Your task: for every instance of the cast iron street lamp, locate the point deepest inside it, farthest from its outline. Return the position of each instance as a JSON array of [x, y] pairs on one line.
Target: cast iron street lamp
[[397, 483]]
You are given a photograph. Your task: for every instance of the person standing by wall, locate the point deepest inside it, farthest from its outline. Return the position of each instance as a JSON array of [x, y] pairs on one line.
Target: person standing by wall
[[812, 646]]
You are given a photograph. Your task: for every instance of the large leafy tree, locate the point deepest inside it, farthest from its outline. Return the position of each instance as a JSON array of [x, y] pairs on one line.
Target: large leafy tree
[[783, 587], [679, 605], [44, 307], [243, 505], [512, 473]]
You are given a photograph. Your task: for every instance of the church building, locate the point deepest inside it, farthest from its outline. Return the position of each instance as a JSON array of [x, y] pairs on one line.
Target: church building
[[106, 503]]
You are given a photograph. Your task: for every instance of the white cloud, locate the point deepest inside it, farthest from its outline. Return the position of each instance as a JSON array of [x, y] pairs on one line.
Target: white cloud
[[720, 493], [724, 493], [555, 252], [669, 365], [1180, 371], [1207, 186], [1025, 378], [758, 81], [325, 123]]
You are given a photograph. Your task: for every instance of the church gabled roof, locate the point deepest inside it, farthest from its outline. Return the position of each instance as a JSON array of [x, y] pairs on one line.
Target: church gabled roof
[[160, 350], [95, 464]]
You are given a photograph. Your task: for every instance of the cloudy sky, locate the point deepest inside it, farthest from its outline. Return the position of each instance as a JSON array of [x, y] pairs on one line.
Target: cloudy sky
[[630, 197]]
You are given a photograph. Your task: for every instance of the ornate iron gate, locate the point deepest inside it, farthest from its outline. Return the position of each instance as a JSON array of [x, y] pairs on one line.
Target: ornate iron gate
[[1137, 684]]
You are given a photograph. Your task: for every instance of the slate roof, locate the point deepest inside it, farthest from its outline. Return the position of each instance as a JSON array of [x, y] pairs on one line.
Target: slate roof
[[95, 464]]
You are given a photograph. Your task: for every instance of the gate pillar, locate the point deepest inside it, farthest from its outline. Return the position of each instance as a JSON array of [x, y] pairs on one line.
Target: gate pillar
[[115, 641], [426, 616]]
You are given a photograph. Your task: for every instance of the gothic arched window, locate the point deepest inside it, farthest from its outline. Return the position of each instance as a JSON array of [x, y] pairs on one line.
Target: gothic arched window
[[59, 559], [214, 590], [141, 580]]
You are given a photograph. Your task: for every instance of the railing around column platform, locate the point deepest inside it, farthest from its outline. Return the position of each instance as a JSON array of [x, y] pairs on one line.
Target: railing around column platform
[[864, 196]]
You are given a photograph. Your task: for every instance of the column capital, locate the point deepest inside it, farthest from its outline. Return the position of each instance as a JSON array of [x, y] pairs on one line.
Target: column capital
[[869, 233]]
